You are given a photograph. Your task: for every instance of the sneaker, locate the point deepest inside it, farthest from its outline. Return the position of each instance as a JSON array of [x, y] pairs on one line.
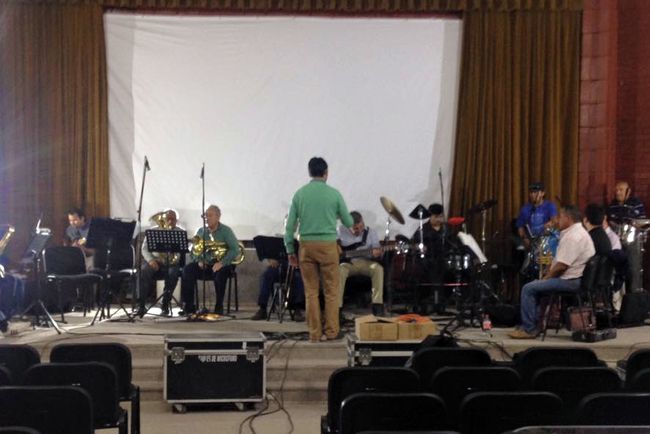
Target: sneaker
[[298, 316], [522, 334], [259, 315]]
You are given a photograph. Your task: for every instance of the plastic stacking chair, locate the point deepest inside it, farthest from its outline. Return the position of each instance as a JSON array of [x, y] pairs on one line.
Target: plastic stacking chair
[[616, 409], [573, 384], [427, 361], [392, 411], [496, 412], [345, 382], [115, 354], [48, 409], [637, 361], [18, 430], [17, 359], [531, 360], [454, 384], [96, 378]]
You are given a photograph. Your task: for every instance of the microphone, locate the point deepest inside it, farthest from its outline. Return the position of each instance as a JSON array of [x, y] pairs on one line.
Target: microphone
[[146, 163], [202, 171]]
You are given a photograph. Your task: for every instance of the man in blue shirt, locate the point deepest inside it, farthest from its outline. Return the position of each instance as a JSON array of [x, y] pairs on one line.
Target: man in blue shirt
[[537, 215]]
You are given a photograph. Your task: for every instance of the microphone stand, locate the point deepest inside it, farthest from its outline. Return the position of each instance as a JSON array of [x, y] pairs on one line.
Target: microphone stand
[[138, 260], [444, 210], [203, 310]]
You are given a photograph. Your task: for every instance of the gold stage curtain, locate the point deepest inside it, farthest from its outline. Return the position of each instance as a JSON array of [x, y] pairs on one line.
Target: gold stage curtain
[[53, 115], [518, 113]]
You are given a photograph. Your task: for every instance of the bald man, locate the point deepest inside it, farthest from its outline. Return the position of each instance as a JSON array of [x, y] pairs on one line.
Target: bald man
[[624, 205]]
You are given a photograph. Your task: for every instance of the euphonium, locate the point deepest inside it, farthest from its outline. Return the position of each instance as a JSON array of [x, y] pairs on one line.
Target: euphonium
[[215, 250], [162, 221]]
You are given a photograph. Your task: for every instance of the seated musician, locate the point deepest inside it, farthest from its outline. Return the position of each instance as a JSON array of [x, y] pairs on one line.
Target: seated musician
[[208, 264], [276, 272], [77, 233], [361, 245], [160, 266], [593, 222], [537, 215], [624, 205], [573, 252], [438, 241]]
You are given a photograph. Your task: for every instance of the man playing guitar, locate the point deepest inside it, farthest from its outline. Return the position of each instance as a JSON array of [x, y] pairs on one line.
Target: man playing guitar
[[361, 244]]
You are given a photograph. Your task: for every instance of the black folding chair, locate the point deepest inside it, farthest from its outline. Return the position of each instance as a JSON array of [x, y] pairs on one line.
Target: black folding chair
[[496, 412], [96, 378], [64, 267], [453, 384], [615, 409], [428, 360], [345, 382], [531, 360], [573, 384], [392, 411], [587, 285], [5, 377], [48, 409], [17, 358], [115, 354]]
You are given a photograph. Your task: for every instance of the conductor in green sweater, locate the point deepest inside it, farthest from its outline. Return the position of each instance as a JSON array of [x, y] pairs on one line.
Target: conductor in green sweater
[[315, 209]]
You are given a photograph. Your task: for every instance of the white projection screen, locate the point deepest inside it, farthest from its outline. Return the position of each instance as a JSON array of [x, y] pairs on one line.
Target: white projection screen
[[254, 98]]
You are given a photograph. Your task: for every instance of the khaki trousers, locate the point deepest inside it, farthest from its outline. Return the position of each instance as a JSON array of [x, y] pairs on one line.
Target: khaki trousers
[[364, 267], [319, 260]]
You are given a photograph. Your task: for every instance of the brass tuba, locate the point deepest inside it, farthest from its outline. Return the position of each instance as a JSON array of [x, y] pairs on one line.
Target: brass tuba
[[161, 220], [215, 250]]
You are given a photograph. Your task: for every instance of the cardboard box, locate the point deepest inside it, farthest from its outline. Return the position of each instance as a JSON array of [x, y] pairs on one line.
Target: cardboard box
[[415, 331], [372, 328]]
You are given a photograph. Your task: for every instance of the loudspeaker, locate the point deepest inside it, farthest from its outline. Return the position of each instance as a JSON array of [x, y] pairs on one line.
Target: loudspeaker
[[634, 308]]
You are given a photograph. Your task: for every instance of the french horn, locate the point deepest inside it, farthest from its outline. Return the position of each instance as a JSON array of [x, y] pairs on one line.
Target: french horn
[[215, 250]]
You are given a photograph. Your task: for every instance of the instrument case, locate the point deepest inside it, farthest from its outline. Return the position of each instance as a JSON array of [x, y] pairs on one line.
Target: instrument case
[[379, 353], [214, 368]]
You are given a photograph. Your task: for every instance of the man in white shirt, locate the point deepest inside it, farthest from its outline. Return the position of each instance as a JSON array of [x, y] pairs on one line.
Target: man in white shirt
[[361, 244], [573, 252]]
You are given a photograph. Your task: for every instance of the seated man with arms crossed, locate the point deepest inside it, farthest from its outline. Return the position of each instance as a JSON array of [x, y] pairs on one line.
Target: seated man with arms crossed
[[361, 244], [573, 252]]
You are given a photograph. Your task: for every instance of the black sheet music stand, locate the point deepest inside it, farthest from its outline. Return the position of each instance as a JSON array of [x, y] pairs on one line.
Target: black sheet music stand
[[32, 257], [273, 248], [111, 240], [166, 241]]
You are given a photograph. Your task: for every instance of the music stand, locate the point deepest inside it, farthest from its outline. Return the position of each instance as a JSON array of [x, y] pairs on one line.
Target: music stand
[[166, 241], [107, 236], [273, 248], [32, 256]]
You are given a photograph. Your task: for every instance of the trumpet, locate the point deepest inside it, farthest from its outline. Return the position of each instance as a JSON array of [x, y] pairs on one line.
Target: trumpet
[[214, 249]]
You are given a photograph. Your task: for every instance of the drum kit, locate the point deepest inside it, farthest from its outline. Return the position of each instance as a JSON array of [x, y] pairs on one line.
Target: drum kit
[[410, 269]]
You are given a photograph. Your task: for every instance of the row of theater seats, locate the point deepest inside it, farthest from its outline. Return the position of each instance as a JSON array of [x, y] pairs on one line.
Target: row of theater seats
[[78, 391], [463, 389]]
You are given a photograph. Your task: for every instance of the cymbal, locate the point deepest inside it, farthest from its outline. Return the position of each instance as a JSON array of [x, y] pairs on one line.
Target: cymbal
[[482, 206], [420, 212], [391, 209], [641, 224]]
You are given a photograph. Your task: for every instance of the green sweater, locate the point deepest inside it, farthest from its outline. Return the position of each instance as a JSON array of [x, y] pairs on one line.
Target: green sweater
[[225, 234], [316, 206]]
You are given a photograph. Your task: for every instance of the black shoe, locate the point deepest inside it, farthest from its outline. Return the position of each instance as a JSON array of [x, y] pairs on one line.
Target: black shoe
[[189, 310], [259, 315], [218, 310], [141, 311], [298, 316], [378, 309], [164, 310]]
